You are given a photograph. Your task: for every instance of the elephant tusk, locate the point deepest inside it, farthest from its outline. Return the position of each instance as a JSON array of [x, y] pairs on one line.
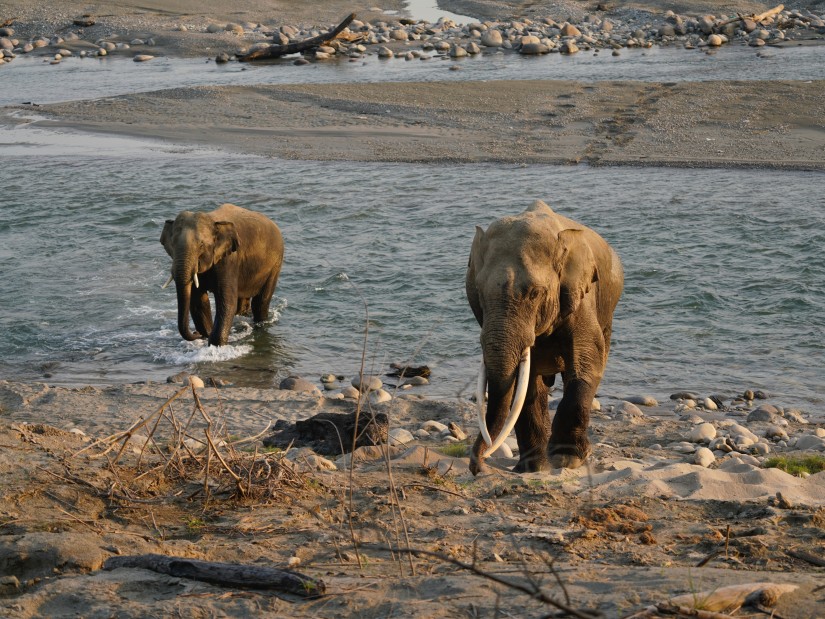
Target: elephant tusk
[[168, 281], [197, 285], [481, 388], [518, 402]]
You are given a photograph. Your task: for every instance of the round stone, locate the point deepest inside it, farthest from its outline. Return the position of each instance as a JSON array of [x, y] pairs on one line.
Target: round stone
[[400, 436], [569, 47], [703, 433], [809, 441], [367, 383], [766, 412], [296, 383], [194, 381], [491, 38], [643, 400], [379, 396], [434, 426], [704, 457], [569, 30], [143, 57]]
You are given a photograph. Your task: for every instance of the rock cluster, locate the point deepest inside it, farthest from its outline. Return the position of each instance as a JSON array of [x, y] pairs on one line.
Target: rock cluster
[[445, 39], [767, 428], [56, 47]]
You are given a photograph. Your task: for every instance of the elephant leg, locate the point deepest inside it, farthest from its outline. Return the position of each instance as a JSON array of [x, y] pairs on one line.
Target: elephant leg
[[533, 428], [260, 302], [226, 303], [569, 446], [244, 308], [201, 312]]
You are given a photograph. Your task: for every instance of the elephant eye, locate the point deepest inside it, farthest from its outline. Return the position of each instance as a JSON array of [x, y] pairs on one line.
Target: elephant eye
[[534, 294]]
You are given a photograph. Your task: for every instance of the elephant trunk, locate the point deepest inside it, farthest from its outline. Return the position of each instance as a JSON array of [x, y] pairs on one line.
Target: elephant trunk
[[505, 370], [185, 274]]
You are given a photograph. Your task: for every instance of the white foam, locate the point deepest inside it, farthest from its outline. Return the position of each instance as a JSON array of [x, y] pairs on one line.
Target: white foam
[[200, 351]]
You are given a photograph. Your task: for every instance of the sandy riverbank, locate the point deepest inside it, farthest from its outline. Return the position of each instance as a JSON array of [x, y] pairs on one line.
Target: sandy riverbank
[[642, 523]]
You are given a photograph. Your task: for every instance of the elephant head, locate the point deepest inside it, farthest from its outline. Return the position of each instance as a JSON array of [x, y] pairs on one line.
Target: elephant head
[[196, 243], [528, 280]]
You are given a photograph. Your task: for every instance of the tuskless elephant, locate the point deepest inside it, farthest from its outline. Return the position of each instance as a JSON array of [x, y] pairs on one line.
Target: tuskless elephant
[[543, 288], [231, 252]]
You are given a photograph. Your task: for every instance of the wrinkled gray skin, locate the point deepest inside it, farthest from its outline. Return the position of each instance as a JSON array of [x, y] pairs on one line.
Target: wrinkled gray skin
[[541, 281], [237, 255]]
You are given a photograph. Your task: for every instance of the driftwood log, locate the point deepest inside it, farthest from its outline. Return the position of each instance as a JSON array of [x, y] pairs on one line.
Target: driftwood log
[[719, 602], [276, 51], [226, 574], [756, 18]]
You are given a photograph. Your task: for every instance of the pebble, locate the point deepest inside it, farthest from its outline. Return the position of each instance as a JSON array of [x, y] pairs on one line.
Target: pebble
[[434, 426], [796, 416], [296, 383], [628, 411], [400, 436], [367, 383], [766, 412], [379, 396], [761, 449], [709, 404], [642, 400], [810, 442], [703, 433], [683, 447], [704, 457], [684, 395], [194, 381], [503, 451], [416, 381], [491, 38], [142, 57], [350, 393], [775, 432], [735, 430]]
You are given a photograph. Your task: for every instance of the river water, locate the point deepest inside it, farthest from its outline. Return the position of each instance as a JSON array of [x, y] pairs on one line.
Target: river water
[[725, 272]]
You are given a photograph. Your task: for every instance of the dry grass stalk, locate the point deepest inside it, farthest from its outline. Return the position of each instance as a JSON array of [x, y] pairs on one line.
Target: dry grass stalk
[[175, 455]]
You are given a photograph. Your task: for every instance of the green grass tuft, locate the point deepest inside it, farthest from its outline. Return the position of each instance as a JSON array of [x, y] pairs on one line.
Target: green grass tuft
[[454, 450], [796, 465]]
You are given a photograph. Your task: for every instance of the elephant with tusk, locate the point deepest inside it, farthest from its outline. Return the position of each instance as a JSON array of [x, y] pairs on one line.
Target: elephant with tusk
[[543, 288], [231, 252]]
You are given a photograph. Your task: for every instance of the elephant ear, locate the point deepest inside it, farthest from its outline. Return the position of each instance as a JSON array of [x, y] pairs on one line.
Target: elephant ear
[[573, 260], [226, 240], [474, 265], [166, 236]]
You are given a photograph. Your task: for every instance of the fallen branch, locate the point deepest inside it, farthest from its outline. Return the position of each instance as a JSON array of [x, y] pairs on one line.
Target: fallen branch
[[276, 51], [806, 556], [225, 574], [716, 603], [757, 18]]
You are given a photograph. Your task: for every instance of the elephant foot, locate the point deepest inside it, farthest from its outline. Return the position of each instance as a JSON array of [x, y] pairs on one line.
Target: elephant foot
[[532, 465], [568, 457]]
